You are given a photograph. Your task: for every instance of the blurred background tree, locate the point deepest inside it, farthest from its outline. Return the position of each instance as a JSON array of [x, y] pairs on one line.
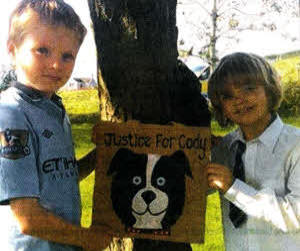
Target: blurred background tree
[[219, 22]]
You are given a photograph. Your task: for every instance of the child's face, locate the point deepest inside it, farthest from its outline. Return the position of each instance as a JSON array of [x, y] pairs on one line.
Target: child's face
[[46, 56], [246, 105]]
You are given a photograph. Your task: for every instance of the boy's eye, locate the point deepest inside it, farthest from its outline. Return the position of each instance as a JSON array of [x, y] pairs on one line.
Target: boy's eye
[[248, 88], [67, 57], [43, 50]]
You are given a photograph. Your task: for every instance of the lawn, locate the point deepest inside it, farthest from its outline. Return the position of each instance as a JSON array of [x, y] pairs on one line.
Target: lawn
[[82, 134]]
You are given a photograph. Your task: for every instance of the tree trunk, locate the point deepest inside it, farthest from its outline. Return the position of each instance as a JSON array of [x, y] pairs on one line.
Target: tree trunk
[[140, 77]]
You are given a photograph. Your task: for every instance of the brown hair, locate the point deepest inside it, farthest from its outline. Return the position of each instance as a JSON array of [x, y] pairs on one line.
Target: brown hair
[[243, 68], [49, 12]]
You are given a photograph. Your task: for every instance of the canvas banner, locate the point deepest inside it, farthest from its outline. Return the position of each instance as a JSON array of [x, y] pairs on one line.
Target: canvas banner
[[150, 180]]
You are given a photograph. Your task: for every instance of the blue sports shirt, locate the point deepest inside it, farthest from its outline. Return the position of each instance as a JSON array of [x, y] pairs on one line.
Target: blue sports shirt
[[36, 160]]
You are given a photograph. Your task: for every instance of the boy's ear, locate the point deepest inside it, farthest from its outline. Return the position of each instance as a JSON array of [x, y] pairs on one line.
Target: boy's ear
[[11, 48]]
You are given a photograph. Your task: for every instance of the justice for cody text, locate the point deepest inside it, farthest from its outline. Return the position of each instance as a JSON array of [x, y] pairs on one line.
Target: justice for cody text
[[161, 141]]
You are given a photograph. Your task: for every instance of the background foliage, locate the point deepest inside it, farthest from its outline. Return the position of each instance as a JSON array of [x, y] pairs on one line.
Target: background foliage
[[289, 70]]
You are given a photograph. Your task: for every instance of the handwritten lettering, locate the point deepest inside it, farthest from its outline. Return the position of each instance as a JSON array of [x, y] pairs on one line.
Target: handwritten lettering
[[182, 142], [132, 140], [192, 143], [165, 142]]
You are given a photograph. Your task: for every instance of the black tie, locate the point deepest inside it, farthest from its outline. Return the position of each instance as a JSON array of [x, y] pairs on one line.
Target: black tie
[[236, 215]]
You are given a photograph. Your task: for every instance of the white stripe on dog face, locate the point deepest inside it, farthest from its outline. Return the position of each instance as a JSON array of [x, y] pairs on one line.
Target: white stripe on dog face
[[142, 212], [152, 160]]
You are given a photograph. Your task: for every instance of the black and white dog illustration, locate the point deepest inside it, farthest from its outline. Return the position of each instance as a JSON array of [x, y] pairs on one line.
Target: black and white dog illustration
[[148, 190]]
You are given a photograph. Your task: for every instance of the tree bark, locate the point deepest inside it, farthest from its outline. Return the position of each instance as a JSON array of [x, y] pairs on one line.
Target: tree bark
[[140, 77]]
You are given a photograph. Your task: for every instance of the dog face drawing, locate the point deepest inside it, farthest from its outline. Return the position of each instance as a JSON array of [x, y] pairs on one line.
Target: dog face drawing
[[148, 190]]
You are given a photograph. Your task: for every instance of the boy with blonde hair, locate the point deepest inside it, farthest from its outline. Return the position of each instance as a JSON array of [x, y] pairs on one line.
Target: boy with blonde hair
[[40, 207], [256, 167]]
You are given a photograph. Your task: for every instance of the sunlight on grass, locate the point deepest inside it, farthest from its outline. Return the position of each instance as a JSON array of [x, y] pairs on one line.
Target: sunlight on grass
[[213, 228], [80, 101], [86, 192], [82, 139]]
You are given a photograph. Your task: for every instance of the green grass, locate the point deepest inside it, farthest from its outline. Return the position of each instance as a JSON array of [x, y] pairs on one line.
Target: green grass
[[213, 226], [82, 139], [81, 102]]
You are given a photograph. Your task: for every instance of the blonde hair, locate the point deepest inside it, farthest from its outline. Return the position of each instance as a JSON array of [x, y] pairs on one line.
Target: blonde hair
[[49, 12], [243, 68]]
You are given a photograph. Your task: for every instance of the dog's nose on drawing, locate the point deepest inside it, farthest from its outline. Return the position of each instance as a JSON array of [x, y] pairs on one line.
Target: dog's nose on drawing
[[148, 197]]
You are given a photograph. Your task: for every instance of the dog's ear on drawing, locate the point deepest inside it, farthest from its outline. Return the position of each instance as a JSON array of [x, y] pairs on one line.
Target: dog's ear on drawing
[[120, 158], [180, 158]]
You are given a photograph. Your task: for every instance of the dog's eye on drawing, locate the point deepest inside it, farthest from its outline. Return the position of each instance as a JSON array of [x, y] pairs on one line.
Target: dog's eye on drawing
[[148, 190]]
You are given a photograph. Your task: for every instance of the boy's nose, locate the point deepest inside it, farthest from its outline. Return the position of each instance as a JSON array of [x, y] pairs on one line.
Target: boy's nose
[[238, 100], [55, 64]]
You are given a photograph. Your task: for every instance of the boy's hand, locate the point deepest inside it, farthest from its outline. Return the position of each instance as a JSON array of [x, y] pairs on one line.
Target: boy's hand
[[219, 177], [96, 238], [37, 221]]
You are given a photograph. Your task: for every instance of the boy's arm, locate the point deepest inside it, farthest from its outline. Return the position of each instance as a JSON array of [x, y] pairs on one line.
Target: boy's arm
[[265, 203], [36, 221], [281, 211], [87, 164]]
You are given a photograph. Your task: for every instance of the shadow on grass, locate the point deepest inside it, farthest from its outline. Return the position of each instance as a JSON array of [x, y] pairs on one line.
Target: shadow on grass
[[84, 118]]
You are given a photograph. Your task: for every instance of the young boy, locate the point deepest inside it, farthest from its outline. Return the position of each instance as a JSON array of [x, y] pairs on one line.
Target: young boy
[[257, 167], [39, 194]]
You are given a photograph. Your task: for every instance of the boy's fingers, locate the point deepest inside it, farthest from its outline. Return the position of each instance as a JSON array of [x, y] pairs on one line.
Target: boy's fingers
[[215, 183], [214, 168], [213, 165], [215, 177], [212, 177], [211, 171]]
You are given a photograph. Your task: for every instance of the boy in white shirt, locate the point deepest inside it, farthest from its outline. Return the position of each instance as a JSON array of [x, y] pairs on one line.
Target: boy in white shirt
[[257, 167]]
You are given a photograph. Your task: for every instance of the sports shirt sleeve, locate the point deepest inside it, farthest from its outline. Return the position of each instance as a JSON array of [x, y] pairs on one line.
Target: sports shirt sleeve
[[18, 156]]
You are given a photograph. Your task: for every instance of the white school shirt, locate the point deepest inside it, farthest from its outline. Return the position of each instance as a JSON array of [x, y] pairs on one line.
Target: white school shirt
[[270, 196]]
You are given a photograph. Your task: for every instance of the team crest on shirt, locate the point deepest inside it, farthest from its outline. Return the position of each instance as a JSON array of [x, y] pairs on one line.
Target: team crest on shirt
[[14, 144]]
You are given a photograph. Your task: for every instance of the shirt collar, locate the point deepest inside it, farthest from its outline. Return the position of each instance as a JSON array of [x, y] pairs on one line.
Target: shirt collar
[[35, 95], [54, 106], [268, 137]]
